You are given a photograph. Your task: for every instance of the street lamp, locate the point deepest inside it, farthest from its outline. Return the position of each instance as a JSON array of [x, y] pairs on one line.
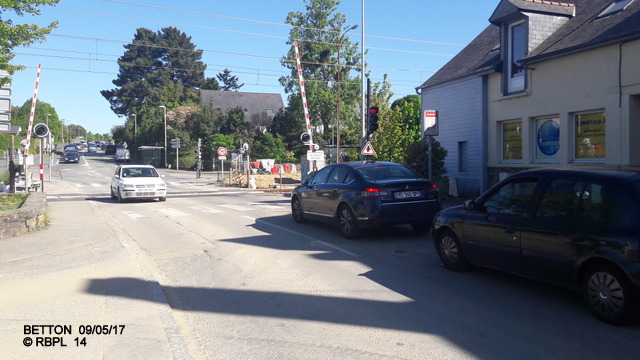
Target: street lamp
[[62, 132], [135, 128], [48, 135], [339, 68], [165, 134]]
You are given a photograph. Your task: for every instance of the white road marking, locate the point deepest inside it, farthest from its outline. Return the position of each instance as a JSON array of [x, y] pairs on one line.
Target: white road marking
[[236, 207], [172, 212], [298, 234], [205, 209], [133, 215], [96, 185]]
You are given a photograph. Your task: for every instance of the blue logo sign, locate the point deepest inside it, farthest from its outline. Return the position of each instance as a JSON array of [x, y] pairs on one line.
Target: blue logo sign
[[549, 137]]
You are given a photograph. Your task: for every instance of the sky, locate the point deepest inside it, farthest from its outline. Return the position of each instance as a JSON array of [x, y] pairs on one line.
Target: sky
[[409, 40]]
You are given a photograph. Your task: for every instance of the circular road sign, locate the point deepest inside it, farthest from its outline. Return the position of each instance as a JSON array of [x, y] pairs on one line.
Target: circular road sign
[[222, 151]]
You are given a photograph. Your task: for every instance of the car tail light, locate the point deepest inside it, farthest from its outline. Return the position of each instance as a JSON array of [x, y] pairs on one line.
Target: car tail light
[[374, 193], [432, 192]]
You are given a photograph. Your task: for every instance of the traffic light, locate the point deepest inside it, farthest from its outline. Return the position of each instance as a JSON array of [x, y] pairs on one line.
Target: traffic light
[[305, 138], [41, 130], [373, 119]]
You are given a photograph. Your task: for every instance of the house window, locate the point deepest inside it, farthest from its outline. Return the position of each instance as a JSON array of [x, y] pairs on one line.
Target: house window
[[616, 6], [219, 108], [517, 37], [269, 111], [590, 136], [463, 157], [246, 110], [547, 141], [512, 141]]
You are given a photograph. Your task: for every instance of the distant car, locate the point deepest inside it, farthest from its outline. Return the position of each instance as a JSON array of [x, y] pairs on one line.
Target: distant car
[[110, 150], [360, 195], [122, 154], [137, 182], [92, 149], [575, 228], [71, 155]]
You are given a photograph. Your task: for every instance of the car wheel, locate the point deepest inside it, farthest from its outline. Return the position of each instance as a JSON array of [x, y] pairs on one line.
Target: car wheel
[[296, 210], [348, 224], [162, 199], [609, 294], [420, 228], [120, 198], [113, 195], [450, 252]]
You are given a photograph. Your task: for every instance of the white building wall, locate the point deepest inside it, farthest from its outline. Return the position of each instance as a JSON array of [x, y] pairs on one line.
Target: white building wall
[[461, 118], [582, 82]]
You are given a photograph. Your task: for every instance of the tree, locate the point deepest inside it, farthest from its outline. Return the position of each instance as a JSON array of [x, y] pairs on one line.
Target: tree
[[161, 68], [268, 146], [17, 35], [319, 33], [229, 82]]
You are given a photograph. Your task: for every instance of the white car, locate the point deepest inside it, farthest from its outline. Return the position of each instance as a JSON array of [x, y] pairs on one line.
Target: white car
[[137, 182]]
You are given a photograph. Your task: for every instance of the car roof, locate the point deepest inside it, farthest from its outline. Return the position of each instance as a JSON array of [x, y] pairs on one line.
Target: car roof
[[362, 164], [584, 172], [129, 166]]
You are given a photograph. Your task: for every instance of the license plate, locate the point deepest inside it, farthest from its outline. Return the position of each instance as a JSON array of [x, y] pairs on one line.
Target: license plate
[[407, 194]]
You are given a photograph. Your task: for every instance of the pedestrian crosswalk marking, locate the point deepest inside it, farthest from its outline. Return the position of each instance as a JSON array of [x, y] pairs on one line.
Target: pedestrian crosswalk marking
[[133, 215], [235, 207], [172, 212], [205, 209]]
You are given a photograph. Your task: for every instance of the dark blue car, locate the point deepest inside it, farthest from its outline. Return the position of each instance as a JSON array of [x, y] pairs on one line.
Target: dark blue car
[[360, 195], [575, 228]]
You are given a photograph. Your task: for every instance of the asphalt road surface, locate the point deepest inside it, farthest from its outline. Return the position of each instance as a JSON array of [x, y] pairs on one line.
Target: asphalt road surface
[[227, 274]]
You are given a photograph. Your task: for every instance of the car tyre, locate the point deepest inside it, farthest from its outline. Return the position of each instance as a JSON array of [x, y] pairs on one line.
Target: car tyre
[[450, 252], [348, 223], [120, 198], [609, 294], [162, 199], [113, 195], [296, 210]]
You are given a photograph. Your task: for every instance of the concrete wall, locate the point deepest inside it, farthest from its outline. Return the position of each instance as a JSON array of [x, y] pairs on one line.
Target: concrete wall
[[29, 217]]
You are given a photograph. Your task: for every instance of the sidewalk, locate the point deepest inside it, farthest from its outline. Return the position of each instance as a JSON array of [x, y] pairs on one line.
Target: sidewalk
[[53, 277]]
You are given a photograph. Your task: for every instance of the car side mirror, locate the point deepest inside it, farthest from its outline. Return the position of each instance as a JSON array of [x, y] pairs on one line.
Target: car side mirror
[[470, 205]]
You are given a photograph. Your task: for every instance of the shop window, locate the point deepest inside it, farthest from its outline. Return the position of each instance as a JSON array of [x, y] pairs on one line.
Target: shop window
[[547, 141], [512, 141], [590, 136]]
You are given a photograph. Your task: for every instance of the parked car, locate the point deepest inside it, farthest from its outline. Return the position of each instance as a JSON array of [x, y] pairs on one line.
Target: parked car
[[137, 182], [110, 150], [70, 154], [360, 195], [122, 154], [575, 228], [92, 149]]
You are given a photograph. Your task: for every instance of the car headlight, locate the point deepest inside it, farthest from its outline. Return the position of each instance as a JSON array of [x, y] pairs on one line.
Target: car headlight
[[129, 186]]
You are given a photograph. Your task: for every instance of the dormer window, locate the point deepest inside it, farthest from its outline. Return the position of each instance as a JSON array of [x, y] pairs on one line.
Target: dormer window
[[517, 49], [616, 6]]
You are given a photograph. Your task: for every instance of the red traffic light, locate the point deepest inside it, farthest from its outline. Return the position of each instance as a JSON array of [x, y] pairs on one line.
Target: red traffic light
[[373, 110]]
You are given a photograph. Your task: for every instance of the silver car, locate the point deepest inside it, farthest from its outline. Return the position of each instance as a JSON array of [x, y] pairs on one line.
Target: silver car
[[137, 182]]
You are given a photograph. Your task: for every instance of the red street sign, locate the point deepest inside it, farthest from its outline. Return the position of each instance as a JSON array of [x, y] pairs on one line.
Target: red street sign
[[222, 151], [368, 149]]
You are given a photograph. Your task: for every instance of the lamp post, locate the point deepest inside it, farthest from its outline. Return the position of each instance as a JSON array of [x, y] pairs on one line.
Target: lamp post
[[165, 134], [49, 135], [62, 132], [338, 110], [135, 129]]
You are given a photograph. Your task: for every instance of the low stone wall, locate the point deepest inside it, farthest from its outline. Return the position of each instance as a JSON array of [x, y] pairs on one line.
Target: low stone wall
[[29, 217]]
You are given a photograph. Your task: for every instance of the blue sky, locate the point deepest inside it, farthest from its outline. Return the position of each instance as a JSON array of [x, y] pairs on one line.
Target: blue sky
[[407, 39]]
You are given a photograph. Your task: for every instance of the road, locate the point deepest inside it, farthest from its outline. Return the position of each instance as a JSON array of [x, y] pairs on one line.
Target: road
[[231, 276]]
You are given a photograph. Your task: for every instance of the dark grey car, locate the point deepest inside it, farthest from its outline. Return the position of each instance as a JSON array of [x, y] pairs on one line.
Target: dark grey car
[[360, 195], [575, 228]]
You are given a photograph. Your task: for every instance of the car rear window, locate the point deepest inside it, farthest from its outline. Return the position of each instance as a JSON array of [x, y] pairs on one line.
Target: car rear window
[[382, 172]]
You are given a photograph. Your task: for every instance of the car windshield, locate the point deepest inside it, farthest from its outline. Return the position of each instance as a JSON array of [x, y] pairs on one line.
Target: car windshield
[[139, 172], [380, 172]]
